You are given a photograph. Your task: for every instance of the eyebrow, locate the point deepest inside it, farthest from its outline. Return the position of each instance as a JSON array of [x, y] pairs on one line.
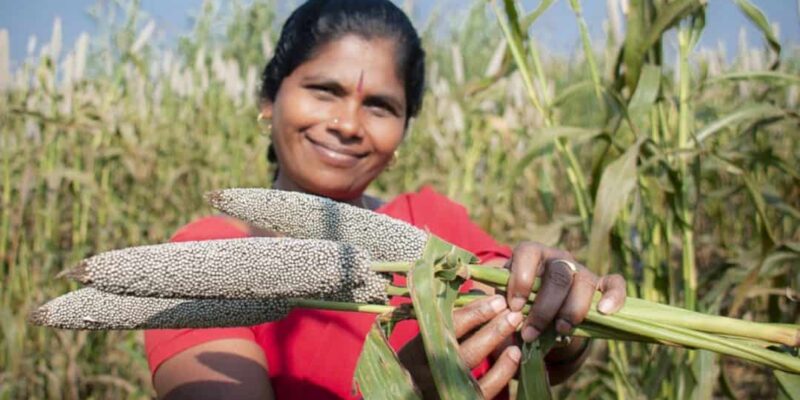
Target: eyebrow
[[339, 89]]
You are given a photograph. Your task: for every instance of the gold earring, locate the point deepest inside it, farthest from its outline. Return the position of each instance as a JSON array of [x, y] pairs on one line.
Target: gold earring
[[266, 126], [393, 160]]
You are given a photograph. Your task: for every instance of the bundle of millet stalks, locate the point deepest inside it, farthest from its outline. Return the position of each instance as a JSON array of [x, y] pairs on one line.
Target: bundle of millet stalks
[[337, 256]]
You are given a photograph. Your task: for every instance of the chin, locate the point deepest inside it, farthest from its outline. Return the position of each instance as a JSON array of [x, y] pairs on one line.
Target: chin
[[336, 189]]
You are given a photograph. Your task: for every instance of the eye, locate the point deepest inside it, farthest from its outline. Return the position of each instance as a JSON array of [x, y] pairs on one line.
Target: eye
[[322, 92], [381, 108], [379, 111]]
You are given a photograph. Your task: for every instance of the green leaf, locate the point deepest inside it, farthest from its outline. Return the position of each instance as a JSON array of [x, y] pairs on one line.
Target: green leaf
[[761, 205], [646, 91], [617, 182], [753, 112], [773, 77], [668, 16], [633, 52], [433, 285], [516, 43], [542, 144], [639, 38], [574, 134], [529, 19], [705, 369], [570, 91], [789, 384], [534, 383], [379, 373], [757, 17], [587, 47]]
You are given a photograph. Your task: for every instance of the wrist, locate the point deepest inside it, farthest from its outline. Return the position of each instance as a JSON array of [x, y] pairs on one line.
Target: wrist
[[562, 363], [569, 354]]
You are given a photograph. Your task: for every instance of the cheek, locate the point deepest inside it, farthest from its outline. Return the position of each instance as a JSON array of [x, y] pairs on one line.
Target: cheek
[[302, 110], [388, 136]]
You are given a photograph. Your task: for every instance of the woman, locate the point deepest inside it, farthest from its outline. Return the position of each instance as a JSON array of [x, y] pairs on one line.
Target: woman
[[346, 78]]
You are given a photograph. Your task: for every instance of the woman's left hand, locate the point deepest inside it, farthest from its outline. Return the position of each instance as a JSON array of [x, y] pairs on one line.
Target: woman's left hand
[[565, 295], [563, 300]]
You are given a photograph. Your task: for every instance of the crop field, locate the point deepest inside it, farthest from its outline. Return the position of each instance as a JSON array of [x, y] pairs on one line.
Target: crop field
[[642, 154]]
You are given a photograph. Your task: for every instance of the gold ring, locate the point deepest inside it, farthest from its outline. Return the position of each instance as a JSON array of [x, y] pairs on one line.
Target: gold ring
[[571, 265]]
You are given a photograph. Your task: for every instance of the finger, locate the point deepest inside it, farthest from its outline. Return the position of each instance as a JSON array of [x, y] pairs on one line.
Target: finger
[[614, 293], [525, 265], [578, 301], [556, 283], [477, 313], [501, 372], [489, 337], [506, 343]]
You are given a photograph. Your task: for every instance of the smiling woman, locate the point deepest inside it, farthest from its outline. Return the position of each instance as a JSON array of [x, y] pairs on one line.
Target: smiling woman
[[346, 77], [338, 118]]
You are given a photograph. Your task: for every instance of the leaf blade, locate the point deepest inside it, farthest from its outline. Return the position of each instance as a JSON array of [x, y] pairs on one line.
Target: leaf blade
[[616, 183], [433, 298]]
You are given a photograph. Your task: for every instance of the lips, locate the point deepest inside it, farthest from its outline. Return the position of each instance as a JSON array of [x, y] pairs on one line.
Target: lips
[[335, 155]]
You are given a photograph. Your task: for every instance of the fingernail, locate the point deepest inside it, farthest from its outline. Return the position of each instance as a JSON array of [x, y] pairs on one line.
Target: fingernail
[[514, 353], [563, 326], [514, 318], [498, 303], [605, 306], [529, 334], [517, 302]]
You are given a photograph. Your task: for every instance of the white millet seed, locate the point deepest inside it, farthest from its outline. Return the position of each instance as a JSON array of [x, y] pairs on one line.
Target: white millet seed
[[248, 268], [306, 216], [89, 308]]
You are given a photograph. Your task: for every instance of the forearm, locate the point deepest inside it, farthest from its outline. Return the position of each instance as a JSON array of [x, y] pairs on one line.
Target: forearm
[[221, 369]]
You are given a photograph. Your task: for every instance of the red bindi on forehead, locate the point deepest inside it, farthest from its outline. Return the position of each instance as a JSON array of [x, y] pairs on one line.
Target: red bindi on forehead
[[360, 85]]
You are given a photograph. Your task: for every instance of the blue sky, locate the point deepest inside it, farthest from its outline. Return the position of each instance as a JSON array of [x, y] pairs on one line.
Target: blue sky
[[556, 30]]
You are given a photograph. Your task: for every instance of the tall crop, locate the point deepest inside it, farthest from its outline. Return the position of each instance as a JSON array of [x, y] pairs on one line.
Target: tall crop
[[682, 176]]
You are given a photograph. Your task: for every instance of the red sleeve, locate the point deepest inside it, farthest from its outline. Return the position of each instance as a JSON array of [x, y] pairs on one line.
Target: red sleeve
[[161, 344], [446, 219]]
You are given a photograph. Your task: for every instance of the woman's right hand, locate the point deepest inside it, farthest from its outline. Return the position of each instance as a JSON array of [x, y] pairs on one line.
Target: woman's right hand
[[492, 325]]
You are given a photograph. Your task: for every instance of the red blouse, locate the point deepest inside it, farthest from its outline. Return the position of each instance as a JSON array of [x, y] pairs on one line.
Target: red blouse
[[312, 354]]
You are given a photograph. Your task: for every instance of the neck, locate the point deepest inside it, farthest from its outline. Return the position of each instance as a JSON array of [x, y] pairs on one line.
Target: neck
[[283, 183]]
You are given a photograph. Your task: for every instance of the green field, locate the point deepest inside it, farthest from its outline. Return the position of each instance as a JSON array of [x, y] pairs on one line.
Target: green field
[[678, 169]]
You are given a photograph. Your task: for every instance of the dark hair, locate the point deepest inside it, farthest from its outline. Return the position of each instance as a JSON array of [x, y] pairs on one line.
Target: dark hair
[[319, 22]]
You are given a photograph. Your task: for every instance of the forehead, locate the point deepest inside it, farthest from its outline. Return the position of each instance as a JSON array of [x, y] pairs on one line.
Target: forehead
[[346, 57]]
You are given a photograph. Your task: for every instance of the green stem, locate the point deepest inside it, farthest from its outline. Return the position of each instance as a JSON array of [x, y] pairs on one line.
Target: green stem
[[635, 308], [574, 172], [341, 306], [687, 235], [660, 313], [776, 333], [401, 267], [619, 327], [588, 50], [675, 335]]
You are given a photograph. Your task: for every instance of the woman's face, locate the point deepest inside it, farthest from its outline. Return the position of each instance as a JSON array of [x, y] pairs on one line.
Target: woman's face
[[338, 118]]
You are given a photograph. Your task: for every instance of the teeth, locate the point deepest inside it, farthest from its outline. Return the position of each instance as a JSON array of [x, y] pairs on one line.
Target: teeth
[[311, 217]]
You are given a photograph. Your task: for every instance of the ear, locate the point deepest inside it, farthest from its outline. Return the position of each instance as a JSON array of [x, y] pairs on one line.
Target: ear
[[266, 109]]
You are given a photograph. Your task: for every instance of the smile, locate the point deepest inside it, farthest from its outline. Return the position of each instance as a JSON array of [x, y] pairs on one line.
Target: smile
[[335, 156]]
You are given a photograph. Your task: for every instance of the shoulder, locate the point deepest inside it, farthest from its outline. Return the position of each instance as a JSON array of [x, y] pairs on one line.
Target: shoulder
[[423, 207], [211, 228], [443, 217]]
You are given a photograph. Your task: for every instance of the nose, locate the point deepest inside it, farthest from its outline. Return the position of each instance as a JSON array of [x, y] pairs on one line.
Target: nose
[[346, 122]]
